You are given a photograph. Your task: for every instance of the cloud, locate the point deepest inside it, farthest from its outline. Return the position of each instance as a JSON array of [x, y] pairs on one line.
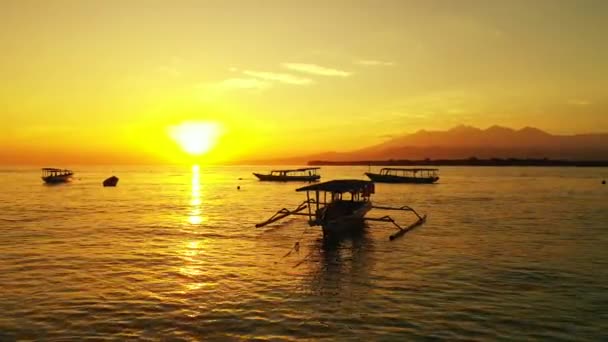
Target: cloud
[[258, 81], [243, 83], [316, 69], [278, 77], [173, 68], [371, 62], [209, 92], [252, 81], [578, 102]]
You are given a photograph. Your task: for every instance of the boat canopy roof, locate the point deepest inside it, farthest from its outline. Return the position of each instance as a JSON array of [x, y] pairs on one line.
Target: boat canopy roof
[[55, 169], [339, 186], [298, 170], [408, 169]]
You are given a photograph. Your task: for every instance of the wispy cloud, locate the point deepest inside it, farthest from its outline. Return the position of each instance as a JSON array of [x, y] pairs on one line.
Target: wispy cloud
[[579, 102], [316, 69], [243, 83], [371, 62], [278, 77], [258, 81], [209, 92], [173, 68], [251, 81]]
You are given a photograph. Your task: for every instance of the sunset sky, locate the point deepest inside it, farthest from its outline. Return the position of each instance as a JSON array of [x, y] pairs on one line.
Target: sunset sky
[[113, 81]]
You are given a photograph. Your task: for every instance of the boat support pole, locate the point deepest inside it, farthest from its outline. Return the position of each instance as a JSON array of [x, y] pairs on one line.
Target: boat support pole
[[401, 230], [404, 208], [284, 213]]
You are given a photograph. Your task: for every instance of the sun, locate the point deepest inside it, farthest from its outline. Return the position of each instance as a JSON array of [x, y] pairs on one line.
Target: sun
[[195, 138]]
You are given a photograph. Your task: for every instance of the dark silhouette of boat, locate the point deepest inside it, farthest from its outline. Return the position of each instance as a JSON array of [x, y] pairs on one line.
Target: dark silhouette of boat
[[343, 211], [307, 174], [112, 181], [53, 176], [399, 175]]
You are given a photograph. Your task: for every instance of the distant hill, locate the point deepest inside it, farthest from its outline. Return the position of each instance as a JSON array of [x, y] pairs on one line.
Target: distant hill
[[493, 142], [463, 142]]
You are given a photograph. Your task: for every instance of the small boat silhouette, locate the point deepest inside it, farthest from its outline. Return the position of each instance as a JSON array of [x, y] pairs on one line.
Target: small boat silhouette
[[112, 181], [307, 174], [52, 175], [400, 175]]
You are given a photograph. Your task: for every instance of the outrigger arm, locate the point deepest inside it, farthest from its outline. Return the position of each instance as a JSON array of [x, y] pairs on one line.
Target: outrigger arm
[[284, 213], [401, 230]]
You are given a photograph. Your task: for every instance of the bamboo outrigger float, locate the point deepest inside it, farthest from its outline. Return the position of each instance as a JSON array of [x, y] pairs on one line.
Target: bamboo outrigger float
[[306, 174], [344, 209]]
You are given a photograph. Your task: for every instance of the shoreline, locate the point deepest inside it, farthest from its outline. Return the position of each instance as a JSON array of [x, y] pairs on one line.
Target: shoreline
[[464, 162]]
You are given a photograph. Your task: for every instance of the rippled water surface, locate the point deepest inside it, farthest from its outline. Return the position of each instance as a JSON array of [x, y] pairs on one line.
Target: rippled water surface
[[172, 252]]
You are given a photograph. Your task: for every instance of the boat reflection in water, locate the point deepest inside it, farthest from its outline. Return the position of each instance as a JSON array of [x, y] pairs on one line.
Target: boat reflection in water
[[338, 267]]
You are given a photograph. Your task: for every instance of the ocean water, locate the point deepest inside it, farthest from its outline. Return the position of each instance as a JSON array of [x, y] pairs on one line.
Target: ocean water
[[172, 253]]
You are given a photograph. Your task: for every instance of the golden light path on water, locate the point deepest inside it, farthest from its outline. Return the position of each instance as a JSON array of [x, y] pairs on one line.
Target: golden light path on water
[[195, 214], [193, 248]]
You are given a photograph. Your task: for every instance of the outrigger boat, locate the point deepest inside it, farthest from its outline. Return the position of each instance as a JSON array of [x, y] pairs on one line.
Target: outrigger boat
[[340, 206], [52, 175], [306, 174], [398, 175]]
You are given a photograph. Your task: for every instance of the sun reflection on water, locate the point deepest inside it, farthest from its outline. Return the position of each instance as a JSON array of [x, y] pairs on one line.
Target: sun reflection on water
[[196, 216], [192, 250]]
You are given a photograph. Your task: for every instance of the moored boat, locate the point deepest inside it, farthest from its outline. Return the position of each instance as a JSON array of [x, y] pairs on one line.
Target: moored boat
[[399, 175], [340, 214], [307, 174], [52, 175], [340, 206], [112, 181]]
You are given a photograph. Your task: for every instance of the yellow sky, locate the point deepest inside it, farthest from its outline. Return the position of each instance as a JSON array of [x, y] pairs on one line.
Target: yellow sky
[[102, 81]]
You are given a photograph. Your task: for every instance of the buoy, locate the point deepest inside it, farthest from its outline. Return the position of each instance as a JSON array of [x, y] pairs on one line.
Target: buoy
[[604, 182], [112, 181], [238, 187]]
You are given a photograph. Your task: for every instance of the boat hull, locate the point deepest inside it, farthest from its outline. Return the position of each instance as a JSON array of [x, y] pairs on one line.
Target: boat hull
[[112, 181], [346, 224], [378, 178], [277, 178], [57, 179]]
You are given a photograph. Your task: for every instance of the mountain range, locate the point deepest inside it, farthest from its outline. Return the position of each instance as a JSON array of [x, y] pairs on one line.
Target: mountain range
[[465, 142]]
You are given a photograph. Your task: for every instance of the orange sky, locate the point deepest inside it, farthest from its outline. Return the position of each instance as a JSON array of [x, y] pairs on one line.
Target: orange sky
[[104, 81]]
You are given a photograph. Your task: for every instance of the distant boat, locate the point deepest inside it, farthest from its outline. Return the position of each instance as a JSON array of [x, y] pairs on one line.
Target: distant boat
[[340, 206], [307, 174], [52, 176], [399, 175], [112, 181]]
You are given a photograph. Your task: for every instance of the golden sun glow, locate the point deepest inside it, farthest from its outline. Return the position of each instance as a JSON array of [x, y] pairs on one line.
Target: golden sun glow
[[195, 138]]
